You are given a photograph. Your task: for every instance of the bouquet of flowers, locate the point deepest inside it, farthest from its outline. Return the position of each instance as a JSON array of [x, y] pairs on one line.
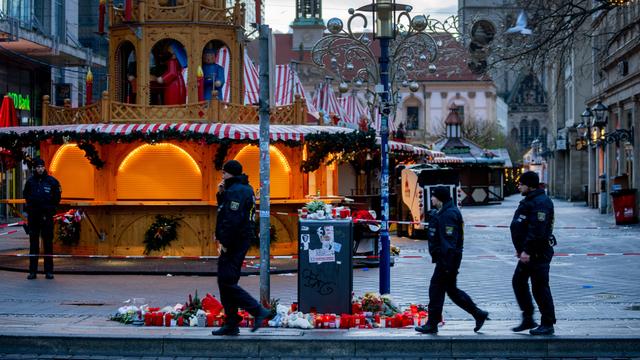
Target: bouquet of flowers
[[68, 225], [389, 306], [314, 206], [372, 302], [395, 251]]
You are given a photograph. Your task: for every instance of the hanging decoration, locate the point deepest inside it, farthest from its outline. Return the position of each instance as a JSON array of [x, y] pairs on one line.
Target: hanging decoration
[[161, 233], [68, 227]]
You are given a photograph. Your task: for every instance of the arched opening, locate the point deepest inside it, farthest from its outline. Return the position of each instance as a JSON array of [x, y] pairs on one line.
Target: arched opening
[[74, 172], [280, 172], [215, 69], [159, 172], [168, 68], [524, 134], [125, 73]]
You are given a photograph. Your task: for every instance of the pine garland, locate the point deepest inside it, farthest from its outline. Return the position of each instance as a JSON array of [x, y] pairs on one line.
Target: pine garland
[[161, 233], [319, 145]]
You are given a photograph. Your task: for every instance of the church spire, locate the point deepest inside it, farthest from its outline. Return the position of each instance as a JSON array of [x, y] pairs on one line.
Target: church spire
[[308, 12]]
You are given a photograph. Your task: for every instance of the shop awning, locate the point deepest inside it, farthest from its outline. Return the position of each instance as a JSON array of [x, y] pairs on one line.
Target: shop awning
[[223, 131], [446, 160]]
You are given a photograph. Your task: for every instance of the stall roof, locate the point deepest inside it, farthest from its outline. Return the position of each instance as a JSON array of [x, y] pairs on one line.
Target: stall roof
[[223, 131]]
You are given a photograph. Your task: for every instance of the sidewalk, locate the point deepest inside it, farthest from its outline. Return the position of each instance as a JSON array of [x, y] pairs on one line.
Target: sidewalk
[[595, 290]]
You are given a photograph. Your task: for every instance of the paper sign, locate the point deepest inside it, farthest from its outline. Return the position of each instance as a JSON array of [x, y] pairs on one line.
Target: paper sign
[[321, 255]]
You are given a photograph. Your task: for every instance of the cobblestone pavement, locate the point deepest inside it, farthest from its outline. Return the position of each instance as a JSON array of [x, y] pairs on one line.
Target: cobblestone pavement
[[595, 282]]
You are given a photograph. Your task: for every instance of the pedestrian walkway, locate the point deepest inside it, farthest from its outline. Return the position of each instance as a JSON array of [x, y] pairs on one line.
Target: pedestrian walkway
[[596, 296]]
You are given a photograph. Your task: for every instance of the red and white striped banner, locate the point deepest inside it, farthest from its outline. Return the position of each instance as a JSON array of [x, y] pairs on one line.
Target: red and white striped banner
[[224, 60], [251, 81]]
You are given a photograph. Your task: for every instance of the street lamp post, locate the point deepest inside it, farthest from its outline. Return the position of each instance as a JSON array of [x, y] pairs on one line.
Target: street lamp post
[[404, 48]]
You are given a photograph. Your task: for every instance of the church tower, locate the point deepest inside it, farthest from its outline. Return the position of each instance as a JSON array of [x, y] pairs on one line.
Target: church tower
[[308, 26]]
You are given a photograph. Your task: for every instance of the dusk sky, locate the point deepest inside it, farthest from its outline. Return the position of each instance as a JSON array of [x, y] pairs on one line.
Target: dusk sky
[[280, 13]]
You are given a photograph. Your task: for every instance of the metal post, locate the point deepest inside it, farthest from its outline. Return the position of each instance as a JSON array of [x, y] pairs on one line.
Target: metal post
[[385, 258], [265, 166]]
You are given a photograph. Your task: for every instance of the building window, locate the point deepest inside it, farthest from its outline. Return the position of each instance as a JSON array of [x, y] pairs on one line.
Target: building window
[[524, 131], [412, 117]]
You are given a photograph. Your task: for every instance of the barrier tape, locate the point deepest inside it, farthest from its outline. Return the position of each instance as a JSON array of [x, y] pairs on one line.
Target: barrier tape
[[469, 225], [143, 257], [2, 226]]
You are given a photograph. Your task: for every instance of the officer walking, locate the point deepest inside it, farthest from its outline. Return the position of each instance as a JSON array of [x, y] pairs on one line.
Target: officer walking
[[235, 229], [531, 233], [42, 193], [446, 238]]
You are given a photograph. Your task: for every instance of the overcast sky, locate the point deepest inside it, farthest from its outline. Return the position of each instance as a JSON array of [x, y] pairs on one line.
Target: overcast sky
[[280, 13]]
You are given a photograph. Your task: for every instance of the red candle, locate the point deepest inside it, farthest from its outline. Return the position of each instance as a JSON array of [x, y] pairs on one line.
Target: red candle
[[128, 8], [180, 321], [167, 319], [210, 318], [101, 10], [148, 319], [294, 307], [89, 91]]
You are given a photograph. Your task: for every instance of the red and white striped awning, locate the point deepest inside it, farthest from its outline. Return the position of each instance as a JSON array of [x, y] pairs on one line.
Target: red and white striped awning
[[287, 86], [446, 160], [396, 146], [223, 131], [325, 100], [353, 108]]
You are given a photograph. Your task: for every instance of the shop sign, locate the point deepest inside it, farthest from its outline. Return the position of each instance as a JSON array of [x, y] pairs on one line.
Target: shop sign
[[21, 102]]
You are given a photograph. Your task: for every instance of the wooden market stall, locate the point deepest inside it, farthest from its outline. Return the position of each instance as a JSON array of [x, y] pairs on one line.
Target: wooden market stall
[[142, 152]]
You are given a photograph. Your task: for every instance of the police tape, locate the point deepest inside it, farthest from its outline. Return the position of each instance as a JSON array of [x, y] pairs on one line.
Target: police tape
[[425, 224], [290, 257], [2, 226]]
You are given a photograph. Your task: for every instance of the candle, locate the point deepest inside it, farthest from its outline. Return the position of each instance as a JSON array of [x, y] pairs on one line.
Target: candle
[[200, 84], [167, 319], [128, 8], [294, 307], [101, 10], [148, 319], [89, 90]]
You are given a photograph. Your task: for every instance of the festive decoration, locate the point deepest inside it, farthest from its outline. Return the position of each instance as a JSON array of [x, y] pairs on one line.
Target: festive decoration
[[101, 12], [161, 233], [91, 153], [89, 89], [68, 227], [319, 145]]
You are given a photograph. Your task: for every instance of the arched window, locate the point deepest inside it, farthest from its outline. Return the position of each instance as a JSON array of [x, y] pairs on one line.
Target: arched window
[[524, 134], [159, 172], [74, 172], [168, 66], [126, 73], [535, 130], [280, 172]]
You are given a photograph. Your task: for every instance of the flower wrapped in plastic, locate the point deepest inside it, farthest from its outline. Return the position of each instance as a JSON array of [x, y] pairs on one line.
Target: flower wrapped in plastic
[[372, 302], [68, 227]]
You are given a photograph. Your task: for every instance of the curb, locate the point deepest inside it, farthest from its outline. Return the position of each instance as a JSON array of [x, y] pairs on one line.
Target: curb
[[334, 344]]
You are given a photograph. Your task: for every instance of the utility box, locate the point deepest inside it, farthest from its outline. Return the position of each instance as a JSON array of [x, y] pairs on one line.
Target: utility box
[[325, 276]]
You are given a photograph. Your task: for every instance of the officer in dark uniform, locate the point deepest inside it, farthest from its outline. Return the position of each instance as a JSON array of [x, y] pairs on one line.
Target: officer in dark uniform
[[42, 193], [446, 238], [235, 229], [531, 233]]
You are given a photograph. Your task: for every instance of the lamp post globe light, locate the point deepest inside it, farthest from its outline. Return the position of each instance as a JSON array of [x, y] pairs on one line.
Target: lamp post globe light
[[405, 50]]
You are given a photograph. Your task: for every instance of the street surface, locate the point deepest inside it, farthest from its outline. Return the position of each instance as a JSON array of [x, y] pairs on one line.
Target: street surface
[[594, 283]]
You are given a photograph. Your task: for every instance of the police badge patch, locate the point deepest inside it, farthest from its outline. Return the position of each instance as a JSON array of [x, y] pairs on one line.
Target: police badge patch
[[234, 205], [448, 230], [542, 216]]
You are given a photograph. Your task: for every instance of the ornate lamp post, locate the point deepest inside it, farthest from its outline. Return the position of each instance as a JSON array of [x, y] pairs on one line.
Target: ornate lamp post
[[405, 48]]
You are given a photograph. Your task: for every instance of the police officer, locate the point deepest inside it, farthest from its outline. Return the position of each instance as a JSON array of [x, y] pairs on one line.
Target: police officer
[[42, 193], [235, 229], [446, 238], [531, 233]]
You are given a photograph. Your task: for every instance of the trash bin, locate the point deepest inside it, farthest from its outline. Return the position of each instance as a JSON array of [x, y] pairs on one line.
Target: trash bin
[[325, 277], [624, 206]]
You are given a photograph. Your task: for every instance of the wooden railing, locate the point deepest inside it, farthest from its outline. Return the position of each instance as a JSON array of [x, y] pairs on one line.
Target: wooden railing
[[214, 111], [187, 11]]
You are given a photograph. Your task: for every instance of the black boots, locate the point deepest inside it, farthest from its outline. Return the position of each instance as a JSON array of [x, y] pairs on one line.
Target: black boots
[[427, 329], [480, 317], [262, 315], [542, 330], [31, 276], [526, 324], [226, 330], [49, 276]]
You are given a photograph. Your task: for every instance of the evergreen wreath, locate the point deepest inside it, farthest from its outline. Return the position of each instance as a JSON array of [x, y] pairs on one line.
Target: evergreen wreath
[[161, 233], [68, 227]]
